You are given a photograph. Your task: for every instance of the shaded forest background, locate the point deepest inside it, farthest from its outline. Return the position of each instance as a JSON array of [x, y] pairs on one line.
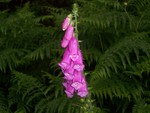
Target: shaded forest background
[[115, 41]]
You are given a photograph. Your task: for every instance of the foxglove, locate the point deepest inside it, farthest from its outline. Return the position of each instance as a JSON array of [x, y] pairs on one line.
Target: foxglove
[[72, 63]]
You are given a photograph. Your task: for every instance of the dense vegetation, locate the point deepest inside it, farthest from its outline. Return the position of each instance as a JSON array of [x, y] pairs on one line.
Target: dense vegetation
[[115, 41]]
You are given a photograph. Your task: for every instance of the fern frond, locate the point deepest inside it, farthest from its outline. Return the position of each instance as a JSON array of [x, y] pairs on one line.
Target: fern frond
[[27, 89], [3, 103], [40, 53], [138, 3], [31, 91], [59, 105], [105, 87], [55, 83], [120, 53], [141, 107], [9, 58]]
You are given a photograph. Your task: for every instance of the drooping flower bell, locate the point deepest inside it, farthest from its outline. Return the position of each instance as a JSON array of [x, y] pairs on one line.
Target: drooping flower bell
[[69, 89], [66, 60], [73, 48], [77, 81], [78, 64], [68, 35], [69, 73]]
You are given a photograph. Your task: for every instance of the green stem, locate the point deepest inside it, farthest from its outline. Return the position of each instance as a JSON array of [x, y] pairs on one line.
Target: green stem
[[75, 15], [87, 102], [87, 105]]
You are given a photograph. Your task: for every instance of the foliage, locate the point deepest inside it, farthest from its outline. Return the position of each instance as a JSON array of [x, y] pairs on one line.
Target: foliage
[[114, 38]]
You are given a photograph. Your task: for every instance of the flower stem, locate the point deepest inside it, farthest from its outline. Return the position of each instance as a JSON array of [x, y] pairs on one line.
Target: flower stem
[[87, 105], [87, 102], [75, 15]]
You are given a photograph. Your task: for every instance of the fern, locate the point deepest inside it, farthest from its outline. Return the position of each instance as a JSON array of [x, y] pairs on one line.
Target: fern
[[24, 39], [3, 103], [115, 88], [32, 91], [121, 50], [9, 58], [20, 85], [141, 107], [114, 39]]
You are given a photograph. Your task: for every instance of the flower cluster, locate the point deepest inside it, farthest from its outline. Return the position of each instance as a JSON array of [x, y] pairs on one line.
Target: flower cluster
[[72, 62]]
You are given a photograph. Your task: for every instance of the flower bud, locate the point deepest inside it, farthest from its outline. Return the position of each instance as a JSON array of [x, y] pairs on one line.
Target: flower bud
[[65, 23]]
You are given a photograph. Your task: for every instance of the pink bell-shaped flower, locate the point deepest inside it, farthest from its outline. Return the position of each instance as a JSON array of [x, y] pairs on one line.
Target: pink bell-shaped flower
[[73, 48], [69, 73], [78, 64], [73, 45], [69, 89], [66, 23], [64, 42], [82, 91], [64, 64], [77, 80], [69, 32]]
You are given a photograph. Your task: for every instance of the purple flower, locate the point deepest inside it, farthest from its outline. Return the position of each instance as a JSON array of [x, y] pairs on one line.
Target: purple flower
[[69, 33], [69, 73], [74, 57], [65, 23], [78, 64], [69, 89], [73, 45], [77, 80], [64, 43], [72, 63], [82, 91], [73, 48], [64, 64]]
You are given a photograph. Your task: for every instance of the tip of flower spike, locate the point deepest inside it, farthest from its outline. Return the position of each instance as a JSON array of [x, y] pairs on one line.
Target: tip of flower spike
[[66, 23]]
